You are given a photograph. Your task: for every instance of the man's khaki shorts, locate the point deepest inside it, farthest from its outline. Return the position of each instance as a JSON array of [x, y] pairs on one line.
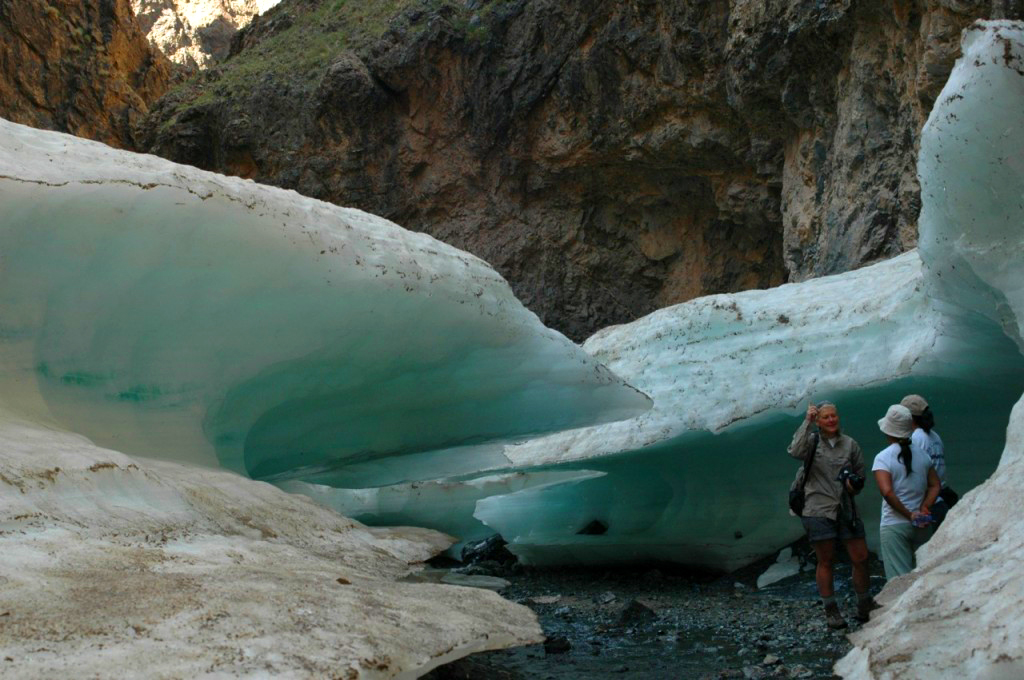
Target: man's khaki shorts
[[825, 529]]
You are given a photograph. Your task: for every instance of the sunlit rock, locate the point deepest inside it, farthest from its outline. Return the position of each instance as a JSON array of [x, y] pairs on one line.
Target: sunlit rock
[[196, 33], [956, 615]]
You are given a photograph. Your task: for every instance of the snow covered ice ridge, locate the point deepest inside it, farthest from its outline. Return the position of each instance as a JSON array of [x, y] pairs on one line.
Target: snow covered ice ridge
[[958, 613], [158, 322]]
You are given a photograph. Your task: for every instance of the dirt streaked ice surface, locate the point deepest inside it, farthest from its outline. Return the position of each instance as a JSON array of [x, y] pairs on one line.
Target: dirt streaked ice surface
[[118, 567]]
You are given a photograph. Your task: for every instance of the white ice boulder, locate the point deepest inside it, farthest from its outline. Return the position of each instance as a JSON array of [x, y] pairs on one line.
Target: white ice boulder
[[786, 565], [117, 567]]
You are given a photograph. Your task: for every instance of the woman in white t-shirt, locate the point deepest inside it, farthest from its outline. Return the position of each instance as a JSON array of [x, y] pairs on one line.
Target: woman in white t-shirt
[[909, 486]]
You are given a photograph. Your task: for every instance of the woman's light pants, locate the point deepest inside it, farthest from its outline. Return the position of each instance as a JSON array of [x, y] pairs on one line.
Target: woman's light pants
[[898, 544]]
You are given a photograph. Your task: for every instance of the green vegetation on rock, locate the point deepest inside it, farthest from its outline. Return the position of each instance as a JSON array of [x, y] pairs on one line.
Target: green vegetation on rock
[[295, 44]]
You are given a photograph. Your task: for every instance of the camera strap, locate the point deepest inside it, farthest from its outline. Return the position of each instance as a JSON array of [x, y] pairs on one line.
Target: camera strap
[[809, 460], [853, 501]]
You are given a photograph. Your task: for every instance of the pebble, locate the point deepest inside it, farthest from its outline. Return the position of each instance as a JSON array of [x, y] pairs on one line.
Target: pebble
[[637, 612], [545, 599], [557, 645]]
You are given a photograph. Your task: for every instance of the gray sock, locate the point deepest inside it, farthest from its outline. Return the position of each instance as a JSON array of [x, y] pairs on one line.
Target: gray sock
[[828, 601]]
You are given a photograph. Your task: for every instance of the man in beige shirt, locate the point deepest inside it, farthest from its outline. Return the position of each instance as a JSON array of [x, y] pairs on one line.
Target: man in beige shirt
[[830, 511]]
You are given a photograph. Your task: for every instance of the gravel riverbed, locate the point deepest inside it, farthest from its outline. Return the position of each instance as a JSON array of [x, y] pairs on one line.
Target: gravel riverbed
[[663, 622]]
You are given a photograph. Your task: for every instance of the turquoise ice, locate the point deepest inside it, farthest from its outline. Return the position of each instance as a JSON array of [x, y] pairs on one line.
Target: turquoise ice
[[173, 313]]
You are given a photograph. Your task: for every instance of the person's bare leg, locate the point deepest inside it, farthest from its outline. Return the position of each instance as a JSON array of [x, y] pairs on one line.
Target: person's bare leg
[[826, 554], [857, 549]]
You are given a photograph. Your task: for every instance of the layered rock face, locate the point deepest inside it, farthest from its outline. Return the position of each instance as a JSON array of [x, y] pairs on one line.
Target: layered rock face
[[607, 158], [196, 34], [78, 67]]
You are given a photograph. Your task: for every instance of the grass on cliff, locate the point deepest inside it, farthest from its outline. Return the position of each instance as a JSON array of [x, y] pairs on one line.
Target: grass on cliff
[[318, 31]]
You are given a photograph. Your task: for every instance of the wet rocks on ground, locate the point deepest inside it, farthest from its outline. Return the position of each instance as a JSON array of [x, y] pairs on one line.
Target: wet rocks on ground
[[667, 622]]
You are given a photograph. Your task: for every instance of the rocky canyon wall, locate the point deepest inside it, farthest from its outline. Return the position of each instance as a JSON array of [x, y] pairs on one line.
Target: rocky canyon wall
[[609, 158], [78, 67]]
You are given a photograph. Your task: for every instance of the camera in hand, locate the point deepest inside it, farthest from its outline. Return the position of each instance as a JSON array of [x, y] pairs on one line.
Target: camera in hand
[[921, 521], [847, 473]]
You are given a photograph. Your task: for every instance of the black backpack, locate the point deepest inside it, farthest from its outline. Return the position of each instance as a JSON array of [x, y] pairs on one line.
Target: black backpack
[[796, 490]]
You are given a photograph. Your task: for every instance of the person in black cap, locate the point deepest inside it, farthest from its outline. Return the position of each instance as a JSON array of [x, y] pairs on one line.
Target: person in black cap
[[926, 438]]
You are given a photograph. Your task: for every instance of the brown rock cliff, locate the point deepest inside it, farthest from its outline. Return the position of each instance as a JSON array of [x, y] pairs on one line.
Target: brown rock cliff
[[82, 67]]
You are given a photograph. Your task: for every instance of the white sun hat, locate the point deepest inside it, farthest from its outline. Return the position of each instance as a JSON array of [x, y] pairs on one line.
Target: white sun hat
[[898, 422]]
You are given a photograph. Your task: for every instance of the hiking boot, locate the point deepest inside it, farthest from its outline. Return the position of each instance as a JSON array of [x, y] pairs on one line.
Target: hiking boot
[[864, 609], [833, 618]]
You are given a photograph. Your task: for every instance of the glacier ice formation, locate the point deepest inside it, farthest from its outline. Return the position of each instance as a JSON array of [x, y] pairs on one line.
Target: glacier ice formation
[[397, 379], [174, 313], [157, 322]]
